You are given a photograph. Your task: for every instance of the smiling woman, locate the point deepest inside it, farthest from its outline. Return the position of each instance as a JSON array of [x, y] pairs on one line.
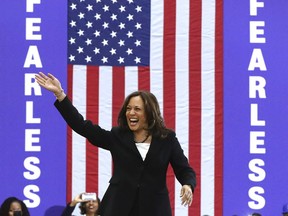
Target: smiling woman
[[88, 207], [136, 119], [142, 149]]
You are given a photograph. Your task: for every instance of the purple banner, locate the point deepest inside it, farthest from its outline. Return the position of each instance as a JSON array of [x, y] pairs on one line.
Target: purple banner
[[255, 106], [32, 133]]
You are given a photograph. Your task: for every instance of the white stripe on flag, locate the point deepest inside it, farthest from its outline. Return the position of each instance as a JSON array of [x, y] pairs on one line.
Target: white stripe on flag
[[79, 142], [156, 50], [105, 121], [182, 89], [131, 80], [208, 108]]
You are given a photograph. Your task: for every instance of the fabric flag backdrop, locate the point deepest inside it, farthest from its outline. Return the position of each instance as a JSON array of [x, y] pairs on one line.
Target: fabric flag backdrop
[[171, 48]]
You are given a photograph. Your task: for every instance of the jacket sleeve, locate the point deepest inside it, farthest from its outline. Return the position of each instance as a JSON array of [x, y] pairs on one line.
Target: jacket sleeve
[[184, 173], [93, 132], [68, 210]]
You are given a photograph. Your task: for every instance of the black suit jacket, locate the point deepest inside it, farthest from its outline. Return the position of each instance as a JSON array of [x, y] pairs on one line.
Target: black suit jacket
[[131, 175]]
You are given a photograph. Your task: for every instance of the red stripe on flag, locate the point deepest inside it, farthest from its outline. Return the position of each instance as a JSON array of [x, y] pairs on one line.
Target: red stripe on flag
[[144, 78], [118, 93], [69, 139], [118, 88], [195, 98], [219, 109], [92, 110], [169, 81]]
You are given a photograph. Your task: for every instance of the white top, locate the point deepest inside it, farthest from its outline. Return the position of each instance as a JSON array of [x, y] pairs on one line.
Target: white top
[[143, 149]]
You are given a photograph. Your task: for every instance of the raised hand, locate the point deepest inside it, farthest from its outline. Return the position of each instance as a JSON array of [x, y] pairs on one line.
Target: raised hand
[[49, 82]]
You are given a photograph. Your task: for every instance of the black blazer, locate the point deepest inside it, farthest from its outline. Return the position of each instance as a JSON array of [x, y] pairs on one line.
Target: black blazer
[[131, 175]]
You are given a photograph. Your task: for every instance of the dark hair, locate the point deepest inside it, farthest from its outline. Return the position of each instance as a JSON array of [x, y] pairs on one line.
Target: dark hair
[[5, 207], [82, 207], [156, 125]]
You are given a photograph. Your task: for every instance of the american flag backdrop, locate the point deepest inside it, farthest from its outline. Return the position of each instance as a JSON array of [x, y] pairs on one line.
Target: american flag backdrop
[[171, 48]]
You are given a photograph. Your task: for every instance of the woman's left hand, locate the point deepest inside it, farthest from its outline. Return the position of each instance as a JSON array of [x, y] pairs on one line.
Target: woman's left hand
[[186, 195]]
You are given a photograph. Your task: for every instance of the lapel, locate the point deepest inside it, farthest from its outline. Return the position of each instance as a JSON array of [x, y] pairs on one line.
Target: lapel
[[153, 150], [129, 141]]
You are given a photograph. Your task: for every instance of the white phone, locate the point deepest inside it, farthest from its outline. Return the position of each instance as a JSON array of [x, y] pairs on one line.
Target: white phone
[[88, 196]]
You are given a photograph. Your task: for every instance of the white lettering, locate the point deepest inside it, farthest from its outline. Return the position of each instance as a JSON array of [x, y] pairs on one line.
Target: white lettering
[[33, 58], [32, 136], [29, 114], [257, 88], [255, 142], [254, 116], [30, 84], [259, 173], [255, 32], [257, 61], [29, 140], [31, 28], [257, 84], [29, 164], [30, 5], [254, 5], [29, 192], [258, 200]]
